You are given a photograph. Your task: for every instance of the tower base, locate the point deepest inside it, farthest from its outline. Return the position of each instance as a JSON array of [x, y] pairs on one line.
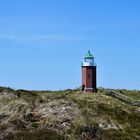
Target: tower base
[[90, 90]]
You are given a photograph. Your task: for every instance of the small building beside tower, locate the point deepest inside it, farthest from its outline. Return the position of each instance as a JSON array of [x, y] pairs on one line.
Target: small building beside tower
[[89, 83]]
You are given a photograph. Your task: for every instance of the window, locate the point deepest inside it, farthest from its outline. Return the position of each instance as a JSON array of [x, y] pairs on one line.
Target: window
[[88, 76]]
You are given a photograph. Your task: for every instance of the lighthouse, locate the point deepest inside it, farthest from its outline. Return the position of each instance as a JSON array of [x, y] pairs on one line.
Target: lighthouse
[[89, 73]]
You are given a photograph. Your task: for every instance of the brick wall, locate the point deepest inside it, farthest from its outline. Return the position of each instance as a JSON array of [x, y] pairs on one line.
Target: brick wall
[[89, 77]]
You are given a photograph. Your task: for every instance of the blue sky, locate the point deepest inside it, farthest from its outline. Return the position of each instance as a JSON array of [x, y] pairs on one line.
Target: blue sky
[[42, 42]]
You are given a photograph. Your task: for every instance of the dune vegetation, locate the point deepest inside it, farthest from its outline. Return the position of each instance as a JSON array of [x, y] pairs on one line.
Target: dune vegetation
[[69, 115]]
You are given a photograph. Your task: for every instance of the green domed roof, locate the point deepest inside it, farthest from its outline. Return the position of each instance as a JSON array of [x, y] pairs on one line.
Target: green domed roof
[[89, 55]]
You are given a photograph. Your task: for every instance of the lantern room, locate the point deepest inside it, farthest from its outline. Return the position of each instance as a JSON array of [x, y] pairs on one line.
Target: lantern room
[[88, 59]]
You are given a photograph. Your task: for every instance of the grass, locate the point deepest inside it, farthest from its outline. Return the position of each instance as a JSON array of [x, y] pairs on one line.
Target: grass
[[135, 95], [39, 135], [98, 105], [6, 89], [95, 110]]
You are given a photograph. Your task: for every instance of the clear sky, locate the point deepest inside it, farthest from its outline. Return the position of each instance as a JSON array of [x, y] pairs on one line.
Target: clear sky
[[42, 42]]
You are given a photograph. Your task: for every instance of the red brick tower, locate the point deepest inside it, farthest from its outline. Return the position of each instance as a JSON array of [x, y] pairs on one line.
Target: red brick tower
[[89, 74]]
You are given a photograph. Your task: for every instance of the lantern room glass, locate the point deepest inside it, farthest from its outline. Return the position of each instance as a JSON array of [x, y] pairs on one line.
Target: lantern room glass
[[89, 60]]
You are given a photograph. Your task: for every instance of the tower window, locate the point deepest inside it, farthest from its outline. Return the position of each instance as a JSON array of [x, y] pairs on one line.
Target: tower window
[[88, 76]]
